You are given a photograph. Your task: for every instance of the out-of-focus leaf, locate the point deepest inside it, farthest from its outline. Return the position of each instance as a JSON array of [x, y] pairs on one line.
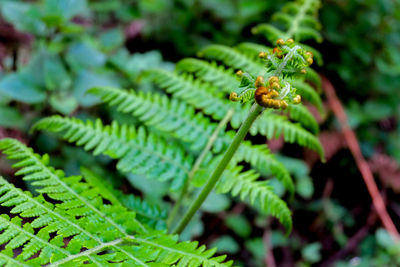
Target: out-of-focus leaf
[[55, 74], [215, 203], [384, 239], [239, 225], [376, 110], [33, 73], [63, 103], [58, 11], [312, 252], [194, 229], [257, 247], [225, 244], [16, 88], [305, 187], [24, 16], [133, 65], [11, 117], [85, 81], [84, 56], [112, 39]]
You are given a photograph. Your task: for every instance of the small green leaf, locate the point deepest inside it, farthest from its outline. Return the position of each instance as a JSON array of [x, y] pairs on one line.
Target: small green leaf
[[85, 81], [225, 244], [11, 117], [24, 16], [112, 39], [383, 238], [305, 187], [239, 225], [55, 74], [215, 203], [58, 11], [63, 103], [257, 247], [311, 252], [84, 56], [16, 88]]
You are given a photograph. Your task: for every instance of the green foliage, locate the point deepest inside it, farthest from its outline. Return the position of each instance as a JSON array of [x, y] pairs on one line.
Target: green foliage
[[143, 153], [68, 56], [82, 219], [247, 186], [371, 88], [297, 20], [175, 119], [135, 149], [76, 213]]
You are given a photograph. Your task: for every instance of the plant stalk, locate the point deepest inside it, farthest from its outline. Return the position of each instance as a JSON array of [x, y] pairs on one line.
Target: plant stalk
[[197, 165], [213, 179]]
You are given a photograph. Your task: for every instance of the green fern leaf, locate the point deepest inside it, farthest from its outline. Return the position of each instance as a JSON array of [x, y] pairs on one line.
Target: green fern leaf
[[95, 233], [308, 93], [257, 192], [264, 162], [210, 72], [163, 114], [129, 101], [252, 50], [301, 114], [137, 151], [298, 18], [233, 58], [194, 92], [272, 126]]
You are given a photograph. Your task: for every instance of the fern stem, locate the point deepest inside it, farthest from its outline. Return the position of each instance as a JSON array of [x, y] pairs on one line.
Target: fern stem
[[88, 252], [297, 19], [197, 164], [213, 179]]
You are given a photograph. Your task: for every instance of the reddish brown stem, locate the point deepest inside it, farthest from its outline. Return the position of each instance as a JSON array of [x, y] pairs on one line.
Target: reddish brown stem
[[362, 164]]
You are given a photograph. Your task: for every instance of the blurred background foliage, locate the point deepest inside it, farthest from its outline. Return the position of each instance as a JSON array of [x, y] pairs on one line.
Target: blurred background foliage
[[52, 51]]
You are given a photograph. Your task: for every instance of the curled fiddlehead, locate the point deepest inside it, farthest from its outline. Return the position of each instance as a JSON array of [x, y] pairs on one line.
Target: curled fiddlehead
[[283, 63]]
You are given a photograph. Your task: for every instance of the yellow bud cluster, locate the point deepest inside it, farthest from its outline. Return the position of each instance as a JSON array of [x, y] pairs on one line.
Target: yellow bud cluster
[[233, 97], [239, 73], [265, 96], [281, 42]]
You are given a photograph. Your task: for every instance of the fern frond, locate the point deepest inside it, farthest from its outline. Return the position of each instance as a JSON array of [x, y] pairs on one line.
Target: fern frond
[[161, 113], [95, 233], [104, 188], [262, 160], [272, 126], [210, 72], [313, 77], [298, 20], [137, 151], [233, 59], [136, 104], [317, 55], [194, 92], [308, 93], [146, 213], [302, 115], [257, 192], [270, 32], [252, 50]]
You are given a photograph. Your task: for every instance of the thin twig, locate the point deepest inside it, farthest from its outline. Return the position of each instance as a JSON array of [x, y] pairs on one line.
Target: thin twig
[[362, 164], [269, 259]]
